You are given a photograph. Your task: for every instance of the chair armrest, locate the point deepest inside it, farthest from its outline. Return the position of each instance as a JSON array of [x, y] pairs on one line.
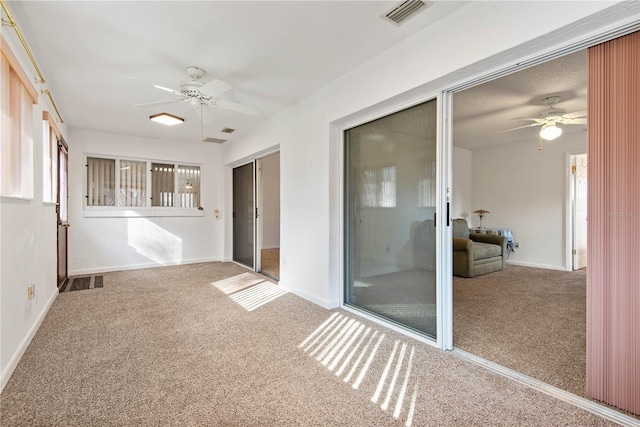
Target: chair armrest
[[489, 238], [462, 244]]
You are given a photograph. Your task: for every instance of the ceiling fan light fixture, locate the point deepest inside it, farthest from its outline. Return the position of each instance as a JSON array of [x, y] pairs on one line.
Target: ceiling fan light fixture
[[550, 131], [166, 119]]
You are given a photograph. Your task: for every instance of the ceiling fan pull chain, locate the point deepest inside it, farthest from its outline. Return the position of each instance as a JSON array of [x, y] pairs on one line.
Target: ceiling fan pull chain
[[201, 124]]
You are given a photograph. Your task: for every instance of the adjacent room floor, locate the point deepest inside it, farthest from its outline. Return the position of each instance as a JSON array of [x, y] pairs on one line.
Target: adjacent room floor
[[270, 262], [528, 319], [214, 344]]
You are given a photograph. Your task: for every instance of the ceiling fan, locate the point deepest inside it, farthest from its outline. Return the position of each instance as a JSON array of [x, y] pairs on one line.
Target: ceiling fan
[[200, 95], [550, 118]]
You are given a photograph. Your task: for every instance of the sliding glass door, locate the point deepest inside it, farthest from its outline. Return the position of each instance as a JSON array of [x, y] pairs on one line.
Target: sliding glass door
[[243, 215], [390, 189]]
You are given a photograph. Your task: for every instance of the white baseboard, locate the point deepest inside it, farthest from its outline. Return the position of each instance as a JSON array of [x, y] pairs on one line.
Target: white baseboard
[[328, 304], [271, 247], [6, 373], [535, 265], [139, 266]]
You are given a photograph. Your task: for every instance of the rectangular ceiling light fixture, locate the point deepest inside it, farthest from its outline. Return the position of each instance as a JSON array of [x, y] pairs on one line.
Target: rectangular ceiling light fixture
[[404, 10], [166, 119]]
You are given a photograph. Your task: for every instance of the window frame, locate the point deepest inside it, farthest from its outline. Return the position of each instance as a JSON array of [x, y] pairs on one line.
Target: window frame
[[117, 211], [51, 142]]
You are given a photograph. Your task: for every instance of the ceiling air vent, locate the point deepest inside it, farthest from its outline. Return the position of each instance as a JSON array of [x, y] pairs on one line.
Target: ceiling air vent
[[228, 130], [404, 10], [215, 140]]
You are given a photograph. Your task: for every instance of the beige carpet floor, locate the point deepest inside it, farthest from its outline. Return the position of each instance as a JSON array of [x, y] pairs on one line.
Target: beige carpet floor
[[211, 344], [528, 319]]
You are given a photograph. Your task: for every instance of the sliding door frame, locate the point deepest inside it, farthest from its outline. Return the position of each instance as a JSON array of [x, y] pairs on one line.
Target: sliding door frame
[[443, 88], [443, 230]]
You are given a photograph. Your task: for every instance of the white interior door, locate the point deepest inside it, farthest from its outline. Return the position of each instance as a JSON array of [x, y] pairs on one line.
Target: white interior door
[[579, 175]]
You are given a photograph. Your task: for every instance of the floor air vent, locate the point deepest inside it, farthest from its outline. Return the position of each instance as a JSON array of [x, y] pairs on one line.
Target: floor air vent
[[404, 10]]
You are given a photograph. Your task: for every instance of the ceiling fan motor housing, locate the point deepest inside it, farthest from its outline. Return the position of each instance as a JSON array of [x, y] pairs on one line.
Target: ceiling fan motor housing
[[196, 73]]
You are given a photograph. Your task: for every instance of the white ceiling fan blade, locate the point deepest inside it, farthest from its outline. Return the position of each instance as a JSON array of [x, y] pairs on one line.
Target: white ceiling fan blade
[[166, 101], [520, 127], [234, 106], [575, 118], [576, 121], [215, 87], [166, 89], [175, 92], [580, 114], [535, 119]]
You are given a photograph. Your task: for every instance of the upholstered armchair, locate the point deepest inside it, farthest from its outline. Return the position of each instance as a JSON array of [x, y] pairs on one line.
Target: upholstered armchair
[[475, 254]]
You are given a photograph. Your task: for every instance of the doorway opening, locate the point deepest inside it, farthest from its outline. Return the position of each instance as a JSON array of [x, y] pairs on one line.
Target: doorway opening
[[268, 226], [578, 210], [530, 315], [62, 209], [256, 215]]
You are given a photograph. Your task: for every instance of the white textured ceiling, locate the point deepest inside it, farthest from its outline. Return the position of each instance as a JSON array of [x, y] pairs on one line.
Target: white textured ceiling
[[272, 53], [483, 112]]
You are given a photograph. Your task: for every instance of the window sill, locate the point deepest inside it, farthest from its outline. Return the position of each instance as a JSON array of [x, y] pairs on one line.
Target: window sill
[[23, 198], [141, 212]]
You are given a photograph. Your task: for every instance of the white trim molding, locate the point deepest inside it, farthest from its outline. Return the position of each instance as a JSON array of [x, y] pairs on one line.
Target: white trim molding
[[5, 375]]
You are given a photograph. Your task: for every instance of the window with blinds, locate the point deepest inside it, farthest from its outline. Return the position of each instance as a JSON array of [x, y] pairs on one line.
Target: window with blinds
[[135, 183], [101, 182], [188, 186], [17, 97], [49, 163], [163, 179], [379, 187]]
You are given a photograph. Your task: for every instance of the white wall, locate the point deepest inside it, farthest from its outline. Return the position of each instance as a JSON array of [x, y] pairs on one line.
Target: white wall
[[271, 201], [108, 244], [311, 161], [462, 178], [28, 248], [525, 190]]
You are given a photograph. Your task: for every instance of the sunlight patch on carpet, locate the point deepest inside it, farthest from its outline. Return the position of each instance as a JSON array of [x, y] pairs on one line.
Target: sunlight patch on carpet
[[236, 283], [347, 347], [249, 290]]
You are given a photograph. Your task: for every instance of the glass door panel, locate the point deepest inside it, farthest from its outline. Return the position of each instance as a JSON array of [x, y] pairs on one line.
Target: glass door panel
[[243, 215], [390, 210]]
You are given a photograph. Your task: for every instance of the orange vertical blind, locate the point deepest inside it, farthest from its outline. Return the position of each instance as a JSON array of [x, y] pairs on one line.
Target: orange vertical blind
[[613, 267]]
